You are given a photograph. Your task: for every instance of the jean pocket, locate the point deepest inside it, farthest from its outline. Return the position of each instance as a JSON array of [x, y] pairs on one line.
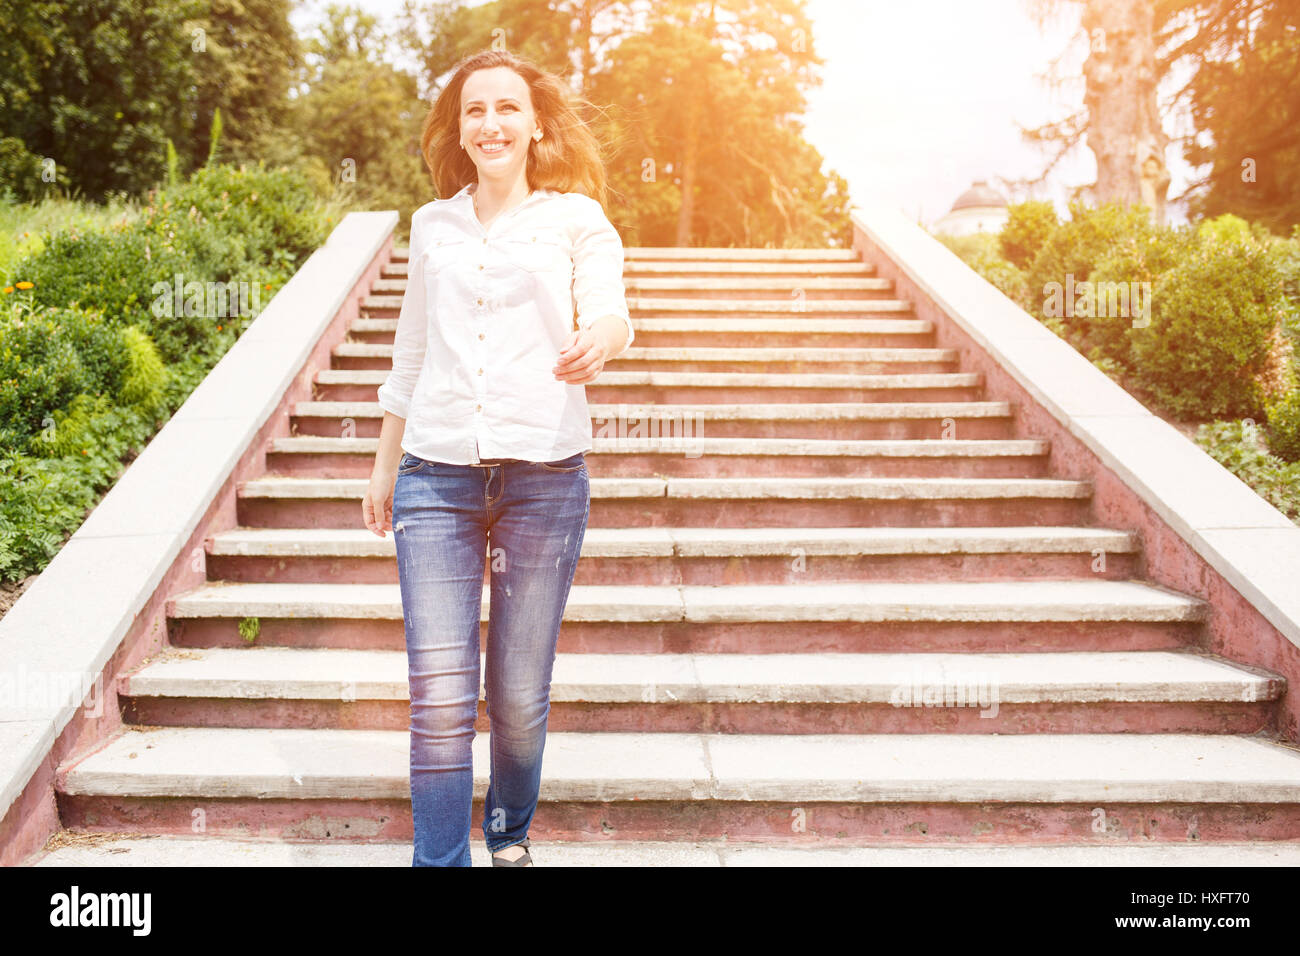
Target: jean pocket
[[410, 464], [572, 463]]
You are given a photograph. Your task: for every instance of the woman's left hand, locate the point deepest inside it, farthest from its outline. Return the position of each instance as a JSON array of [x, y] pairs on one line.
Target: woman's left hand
[[582, 359]]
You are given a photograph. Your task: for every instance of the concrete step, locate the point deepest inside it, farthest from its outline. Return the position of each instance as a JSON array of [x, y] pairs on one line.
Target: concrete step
[[903, 337], [874, 601], [681, 454], [748, 359], [888, 788], [683, 254], [713, 556], [381, 305], [398, 268], [1108, 692], [824, 420], [743, 287], [758, 619], [70, 849], [281, 501], [636, 267], [657, 387], [734, 286]]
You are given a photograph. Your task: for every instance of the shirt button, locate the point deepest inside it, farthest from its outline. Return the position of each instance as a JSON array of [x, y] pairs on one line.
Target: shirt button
[[478, 408], [480, 371], [480, 335], [480, 301]]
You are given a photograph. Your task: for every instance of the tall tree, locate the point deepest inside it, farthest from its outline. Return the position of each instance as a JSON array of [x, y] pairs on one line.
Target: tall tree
[[358, 122], [97, 86], [248, 52], [1242, 58], [1120, 121], [708, 141], [697, 101]]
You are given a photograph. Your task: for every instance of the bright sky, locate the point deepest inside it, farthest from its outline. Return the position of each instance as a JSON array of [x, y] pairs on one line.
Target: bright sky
[[921, 97]]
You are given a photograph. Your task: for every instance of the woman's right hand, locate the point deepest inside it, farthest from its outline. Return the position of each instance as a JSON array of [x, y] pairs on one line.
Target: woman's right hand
[[377, 505]]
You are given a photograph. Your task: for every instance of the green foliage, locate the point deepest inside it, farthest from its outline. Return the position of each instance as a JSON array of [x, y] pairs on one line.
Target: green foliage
[[1208, 342], [1286, 259], [227, 217], [1284, 427], [48, 357], [42, 500], [1131, 265], [1240, 84], [1225, 229], [1235, 445], [249, 629], [214, 138], [88, 368], [98, 86], [114, 272], [24, 226], [1029, 227], [173, 166], [1074, 248], [20, 172], [146, 376], [982, 252]]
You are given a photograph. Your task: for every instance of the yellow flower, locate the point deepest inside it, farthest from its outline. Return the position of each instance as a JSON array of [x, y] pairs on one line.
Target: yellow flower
[[24, 285], [7, 289]]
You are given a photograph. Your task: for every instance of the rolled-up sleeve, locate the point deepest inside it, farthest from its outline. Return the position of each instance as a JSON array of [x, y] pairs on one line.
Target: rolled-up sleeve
[[412, 332], [598, 270]]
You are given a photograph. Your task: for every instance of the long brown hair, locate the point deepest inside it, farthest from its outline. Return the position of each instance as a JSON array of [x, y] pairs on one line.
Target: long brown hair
[[567, 159]]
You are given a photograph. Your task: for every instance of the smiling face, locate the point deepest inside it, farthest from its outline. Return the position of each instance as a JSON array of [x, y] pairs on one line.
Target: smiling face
[[497, 122]]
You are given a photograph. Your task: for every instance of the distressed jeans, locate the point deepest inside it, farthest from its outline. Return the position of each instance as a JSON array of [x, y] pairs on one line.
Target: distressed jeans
[[531, 517]]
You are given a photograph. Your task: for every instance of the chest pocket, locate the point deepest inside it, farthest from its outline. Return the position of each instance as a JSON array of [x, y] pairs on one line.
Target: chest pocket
[[539, 250], [444, 251]]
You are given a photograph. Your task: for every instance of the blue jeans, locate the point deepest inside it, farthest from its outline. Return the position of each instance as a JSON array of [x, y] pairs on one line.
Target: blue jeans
[[532, 516]]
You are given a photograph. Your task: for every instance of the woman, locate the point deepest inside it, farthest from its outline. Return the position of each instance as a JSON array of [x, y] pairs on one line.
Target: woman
[[485, 429]]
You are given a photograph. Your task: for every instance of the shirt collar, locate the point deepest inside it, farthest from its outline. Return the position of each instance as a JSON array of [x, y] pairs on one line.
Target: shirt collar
[[464, 194]]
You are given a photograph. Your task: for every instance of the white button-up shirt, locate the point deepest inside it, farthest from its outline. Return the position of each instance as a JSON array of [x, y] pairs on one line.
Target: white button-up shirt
[[485, 314]]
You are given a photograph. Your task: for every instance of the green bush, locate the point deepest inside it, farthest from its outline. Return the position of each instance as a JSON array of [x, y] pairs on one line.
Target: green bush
[[89, 363], [1029, 227], [229, 218], [1202, 321], [1284, 427], [980, 251], [1208, 344], [47, 358], [1235, 445], [115, 272], [1286, 258], [42, 500], [20, 172], [1092, 236]]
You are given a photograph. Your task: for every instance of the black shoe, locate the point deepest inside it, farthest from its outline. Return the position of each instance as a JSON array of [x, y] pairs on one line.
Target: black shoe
[[524, 860]]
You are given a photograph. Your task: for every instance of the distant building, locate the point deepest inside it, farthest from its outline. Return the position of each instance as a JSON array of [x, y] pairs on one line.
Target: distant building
[[979, 209]]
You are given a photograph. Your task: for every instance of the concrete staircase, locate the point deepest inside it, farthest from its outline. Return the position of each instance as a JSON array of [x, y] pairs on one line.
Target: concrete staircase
[[832, 601]]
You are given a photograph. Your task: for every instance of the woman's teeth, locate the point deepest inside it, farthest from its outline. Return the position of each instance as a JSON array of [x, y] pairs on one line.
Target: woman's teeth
[[492, 147]]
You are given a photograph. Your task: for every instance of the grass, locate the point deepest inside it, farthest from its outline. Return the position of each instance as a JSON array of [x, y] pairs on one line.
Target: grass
[[23, 226]]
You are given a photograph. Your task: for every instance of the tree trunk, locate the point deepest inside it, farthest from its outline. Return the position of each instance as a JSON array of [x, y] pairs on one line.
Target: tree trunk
[[1124, 129]]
